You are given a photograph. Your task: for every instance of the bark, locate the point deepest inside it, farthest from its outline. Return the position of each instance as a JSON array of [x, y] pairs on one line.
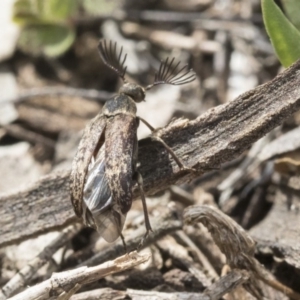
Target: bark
[[215, 137]]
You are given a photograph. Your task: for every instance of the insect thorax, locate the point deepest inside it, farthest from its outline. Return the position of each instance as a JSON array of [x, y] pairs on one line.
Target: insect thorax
[[120, 104]]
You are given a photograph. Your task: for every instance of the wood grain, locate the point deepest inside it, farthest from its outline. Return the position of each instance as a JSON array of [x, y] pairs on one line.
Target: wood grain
[[215, 137]]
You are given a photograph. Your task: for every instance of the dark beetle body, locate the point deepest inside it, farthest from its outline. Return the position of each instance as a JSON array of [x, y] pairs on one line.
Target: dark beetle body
[[114, 132], [104, 167], [121, 149]]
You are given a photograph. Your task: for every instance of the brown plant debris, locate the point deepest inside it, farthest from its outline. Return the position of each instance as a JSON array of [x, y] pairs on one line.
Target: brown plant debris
[[237, 246], [59, 283], [215, 137]]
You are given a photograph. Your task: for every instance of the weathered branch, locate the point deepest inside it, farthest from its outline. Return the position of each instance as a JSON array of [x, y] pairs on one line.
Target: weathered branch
[[64, 281], [215, 291], [238, 247], [23, 277], [217, 136]]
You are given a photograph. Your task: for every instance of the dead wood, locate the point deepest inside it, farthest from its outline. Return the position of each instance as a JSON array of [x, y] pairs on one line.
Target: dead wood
[[199, 257], [46, 202], [217, 136], [179, 253], [215, 291], [162, 226], [232, 240], [23, 277], [285, 143], [238, 247], [61, 282]]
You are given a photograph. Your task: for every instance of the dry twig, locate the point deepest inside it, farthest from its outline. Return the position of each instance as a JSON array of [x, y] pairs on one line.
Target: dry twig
[[237, 246], [217, 136], [201, 258], [169, 245], [63, 282], [161, 226], [22, 278], [223, 286]]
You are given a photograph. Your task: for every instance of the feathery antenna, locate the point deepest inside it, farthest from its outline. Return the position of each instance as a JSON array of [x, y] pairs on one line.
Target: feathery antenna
[[169, 73], [108, 53]]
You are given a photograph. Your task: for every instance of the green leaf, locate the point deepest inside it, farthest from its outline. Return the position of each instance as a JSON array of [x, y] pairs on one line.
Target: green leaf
[[25, 12], [292, 9], [51, 40], [60, 10], [44, 11], [99, 6], [47, 28], [283, 34]]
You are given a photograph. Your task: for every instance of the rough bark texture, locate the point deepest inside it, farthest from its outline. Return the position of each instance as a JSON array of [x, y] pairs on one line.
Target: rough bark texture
[[217, 136], [42, 207]]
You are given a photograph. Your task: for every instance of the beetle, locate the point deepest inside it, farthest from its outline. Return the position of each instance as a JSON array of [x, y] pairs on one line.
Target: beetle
[[104, 169]]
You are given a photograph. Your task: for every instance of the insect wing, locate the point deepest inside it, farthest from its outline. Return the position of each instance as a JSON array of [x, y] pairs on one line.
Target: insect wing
[[101, 211], [96, 194], [110, 223], [121, 155], [87, 146]]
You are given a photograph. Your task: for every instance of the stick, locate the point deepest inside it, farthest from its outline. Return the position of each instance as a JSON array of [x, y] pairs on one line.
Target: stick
[[217, 136], [60, 283], [215, 291], [23, 277]]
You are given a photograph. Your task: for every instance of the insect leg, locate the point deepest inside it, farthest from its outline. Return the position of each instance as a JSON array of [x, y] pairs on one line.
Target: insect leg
[[139, 180], [156, 138], [123, 241], [147, 124]]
